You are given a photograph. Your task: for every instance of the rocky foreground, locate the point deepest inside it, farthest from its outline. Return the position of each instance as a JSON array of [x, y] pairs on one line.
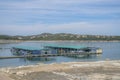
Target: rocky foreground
[[101, 70]]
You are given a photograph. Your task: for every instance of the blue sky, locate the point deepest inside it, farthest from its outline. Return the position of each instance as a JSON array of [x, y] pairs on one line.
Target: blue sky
[[29, 17]]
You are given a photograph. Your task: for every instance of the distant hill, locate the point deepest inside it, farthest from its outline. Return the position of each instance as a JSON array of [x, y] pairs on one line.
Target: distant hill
[[60, 36], [6, 37]]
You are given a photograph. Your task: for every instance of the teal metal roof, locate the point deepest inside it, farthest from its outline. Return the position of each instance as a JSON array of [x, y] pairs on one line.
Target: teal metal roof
[[67, 46], [27, 48], [52, 46]]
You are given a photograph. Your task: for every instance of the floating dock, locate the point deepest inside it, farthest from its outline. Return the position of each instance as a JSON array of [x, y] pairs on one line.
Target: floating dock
[[44, 55], [73, 49], [52, 50]]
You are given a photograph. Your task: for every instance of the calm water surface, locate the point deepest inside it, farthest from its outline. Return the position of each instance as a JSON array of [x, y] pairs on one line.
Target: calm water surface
[[111, 50]]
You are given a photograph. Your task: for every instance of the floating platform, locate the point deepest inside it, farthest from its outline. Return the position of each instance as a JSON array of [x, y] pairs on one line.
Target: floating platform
[[45, 55], [73, 49], [52, 50]]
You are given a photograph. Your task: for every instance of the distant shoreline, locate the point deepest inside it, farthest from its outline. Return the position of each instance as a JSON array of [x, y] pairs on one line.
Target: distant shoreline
[[71, 41], [10, 41], [17, 41]]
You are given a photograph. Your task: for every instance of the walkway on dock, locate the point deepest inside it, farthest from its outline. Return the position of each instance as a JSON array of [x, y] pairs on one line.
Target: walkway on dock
[[46, 55]]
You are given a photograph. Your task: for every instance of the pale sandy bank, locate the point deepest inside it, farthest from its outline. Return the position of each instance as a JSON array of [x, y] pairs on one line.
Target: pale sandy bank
[[100, 70]]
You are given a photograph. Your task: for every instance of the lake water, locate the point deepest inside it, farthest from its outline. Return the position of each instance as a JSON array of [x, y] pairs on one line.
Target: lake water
[[111, 51]]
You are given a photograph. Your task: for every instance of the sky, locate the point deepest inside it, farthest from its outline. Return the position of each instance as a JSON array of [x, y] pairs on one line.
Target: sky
[[30, 17]]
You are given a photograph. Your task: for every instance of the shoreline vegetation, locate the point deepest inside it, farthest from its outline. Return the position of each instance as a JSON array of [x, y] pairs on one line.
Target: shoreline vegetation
[[99, 70], [61, 37]]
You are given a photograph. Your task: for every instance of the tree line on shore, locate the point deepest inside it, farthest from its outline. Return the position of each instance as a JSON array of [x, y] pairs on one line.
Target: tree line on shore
[[60, 36]]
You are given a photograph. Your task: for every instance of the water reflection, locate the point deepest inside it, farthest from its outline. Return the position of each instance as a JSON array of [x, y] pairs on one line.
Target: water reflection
[[39, 59], [86, 56], [53, 59]]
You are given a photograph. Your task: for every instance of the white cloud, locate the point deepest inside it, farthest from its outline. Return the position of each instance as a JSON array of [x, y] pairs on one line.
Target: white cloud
[[56, 6]]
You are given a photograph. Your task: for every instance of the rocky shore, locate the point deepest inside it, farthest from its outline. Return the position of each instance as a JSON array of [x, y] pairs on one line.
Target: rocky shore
[[100, 70]]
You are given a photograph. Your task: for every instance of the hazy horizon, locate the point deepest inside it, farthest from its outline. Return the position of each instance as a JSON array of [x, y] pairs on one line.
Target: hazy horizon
[[32, 17]]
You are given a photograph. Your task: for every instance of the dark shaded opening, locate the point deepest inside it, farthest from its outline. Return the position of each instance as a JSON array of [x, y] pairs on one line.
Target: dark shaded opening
[[45, 52]]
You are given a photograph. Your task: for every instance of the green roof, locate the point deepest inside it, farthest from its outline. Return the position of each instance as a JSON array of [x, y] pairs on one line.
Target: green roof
[[51, 46], [67, 46], [27, 48]]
